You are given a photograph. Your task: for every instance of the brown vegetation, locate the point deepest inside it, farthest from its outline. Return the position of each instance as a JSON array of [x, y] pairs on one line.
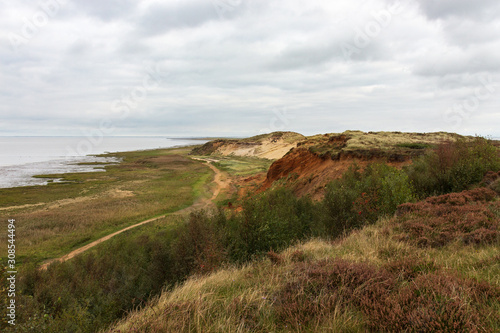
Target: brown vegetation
[[434, 301], [467, 216]]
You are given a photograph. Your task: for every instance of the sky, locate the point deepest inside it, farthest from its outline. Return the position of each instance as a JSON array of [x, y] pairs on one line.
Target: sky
[[240, 68]]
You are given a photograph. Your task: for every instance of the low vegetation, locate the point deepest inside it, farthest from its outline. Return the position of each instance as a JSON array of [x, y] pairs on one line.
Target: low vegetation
[[243, 166], [375, 254], [60, 217], [453, 166], [372, 280], [392, 145]]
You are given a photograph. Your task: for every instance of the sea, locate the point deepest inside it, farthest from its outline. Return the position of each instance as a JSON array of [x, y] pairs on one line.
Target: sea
[[21, 158]]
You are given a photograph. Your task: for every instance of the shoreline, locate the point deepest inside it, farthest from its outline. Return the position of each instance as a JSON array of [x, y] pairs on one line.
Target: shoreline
[[38, 173]]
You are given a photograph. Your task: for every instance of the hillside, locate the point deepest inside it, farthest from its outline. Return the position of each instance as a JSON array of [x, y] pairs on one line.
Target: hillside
[[321, 158], [414, 272], [269, 146], [307, 164], [373, 258], [409, 236]]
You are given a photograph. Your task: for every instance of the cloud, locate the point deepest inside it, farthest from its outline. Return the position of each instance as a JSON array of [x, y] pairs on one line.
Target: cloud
[[160, 18], [225, 66], [473, 10], [107, 11]]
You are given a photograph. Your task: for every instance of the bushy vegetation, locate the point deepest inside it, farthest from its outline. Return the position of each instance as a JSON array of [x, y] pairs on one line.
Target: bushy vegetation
[[92, 290], [453, 167], [410, 295], [361, 197], [371, 281], [102, 286], [467, 216]]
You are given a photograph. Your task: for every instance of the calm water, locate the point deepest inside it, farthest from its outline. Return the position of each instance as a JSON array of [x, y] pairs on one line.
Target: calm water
[[23, 157]]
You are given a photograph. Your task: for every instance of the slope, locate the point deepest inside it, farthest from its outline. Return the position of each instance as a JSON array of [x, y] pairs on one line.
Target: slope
[[380, 278]]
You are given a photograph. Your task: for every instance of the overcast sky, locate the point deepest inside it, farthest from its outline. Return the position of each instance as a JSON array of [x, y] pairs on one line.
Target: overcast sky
[[241, 67]]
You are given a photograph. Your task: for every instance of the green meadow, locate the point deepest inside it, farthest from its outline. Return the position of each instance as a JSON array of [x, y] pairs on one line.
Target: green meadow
[[54, 219]]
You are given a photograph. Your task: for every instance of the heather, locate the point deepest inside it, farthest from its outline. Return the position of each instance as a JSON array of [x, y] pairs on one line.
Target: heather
[[382, 251]]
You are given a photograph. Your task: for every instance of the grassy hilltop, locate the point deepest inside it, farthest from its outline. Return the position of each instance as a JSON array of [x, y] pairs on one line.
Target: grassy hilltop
[[348, 231]]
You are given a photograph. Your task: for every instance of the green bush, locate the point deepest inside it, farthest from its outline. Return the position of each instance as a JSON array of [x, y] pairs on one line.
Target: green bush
[[199, 247], [94, 289], [453, 167], [495, 186], [361, 197], [271, 221]]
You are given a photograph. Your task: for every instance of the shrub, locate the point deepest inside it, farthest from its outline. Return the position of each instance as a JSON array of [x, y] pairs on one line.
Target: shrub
[[199, 247], [340, 215], [467, 216], [361, 197], [453, 166], [495, 186], [271, 221], [406, 296]]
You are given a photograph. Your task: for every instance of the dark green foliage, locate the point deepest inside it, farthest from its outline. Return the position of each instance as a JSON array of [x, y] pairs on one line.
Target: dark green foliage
[[453, 167], [271, 221], [413, 145], [360, 197], [95, 289], [199, 247], [495, 186]]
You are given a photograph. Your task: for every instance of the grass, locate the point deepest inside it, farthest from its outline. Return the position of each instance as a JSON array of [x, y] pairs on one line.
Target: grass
[[290, 137], [292, 290], [378, 278], [87, 206], [244, 299], [243, 166], [390, 140], [375, 144]]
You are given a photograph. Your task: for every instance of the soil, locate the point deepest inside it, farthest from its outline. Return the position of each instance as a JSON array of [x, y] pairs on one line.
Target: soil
[[309, 172]]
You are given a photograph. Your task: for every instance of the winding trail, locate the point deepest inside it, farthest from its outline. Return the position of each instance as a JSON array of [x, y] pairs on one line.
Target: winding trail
[[200, 204]]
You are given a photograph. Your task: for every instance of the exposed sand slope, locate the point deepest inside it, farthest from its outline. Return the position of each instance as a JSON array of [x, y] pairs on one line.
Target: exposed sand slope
[[271, 146]]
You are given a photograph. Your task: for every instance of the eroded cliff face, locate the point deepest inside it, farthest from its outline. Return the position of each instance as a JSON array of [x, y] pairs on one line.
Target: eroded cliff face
[[270, 146], [309, 167], [307, 164], [308, 173]]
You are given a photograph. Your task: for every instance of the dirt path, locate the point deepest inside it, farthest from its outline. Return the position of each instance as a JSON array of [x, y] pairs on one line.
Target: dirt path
[[218, 180], [202, 203]]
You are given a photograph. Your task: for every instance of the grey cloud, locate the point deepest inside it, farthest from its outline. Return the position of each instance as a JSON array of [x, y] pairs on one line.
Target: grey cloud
[[224, 74], [105, 10], [466, 33], [456, 62], [183, 14], [476, 10], [307, 56]]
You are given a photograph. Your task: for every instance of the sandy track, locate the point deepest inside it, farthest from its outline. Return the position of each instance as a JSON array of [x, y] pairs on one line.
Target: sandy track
[[202, 203]]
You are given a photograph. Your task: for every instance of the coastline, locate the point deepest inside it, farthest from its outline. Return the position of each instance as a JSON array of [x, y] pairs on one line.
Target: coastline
[[36, 170]]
